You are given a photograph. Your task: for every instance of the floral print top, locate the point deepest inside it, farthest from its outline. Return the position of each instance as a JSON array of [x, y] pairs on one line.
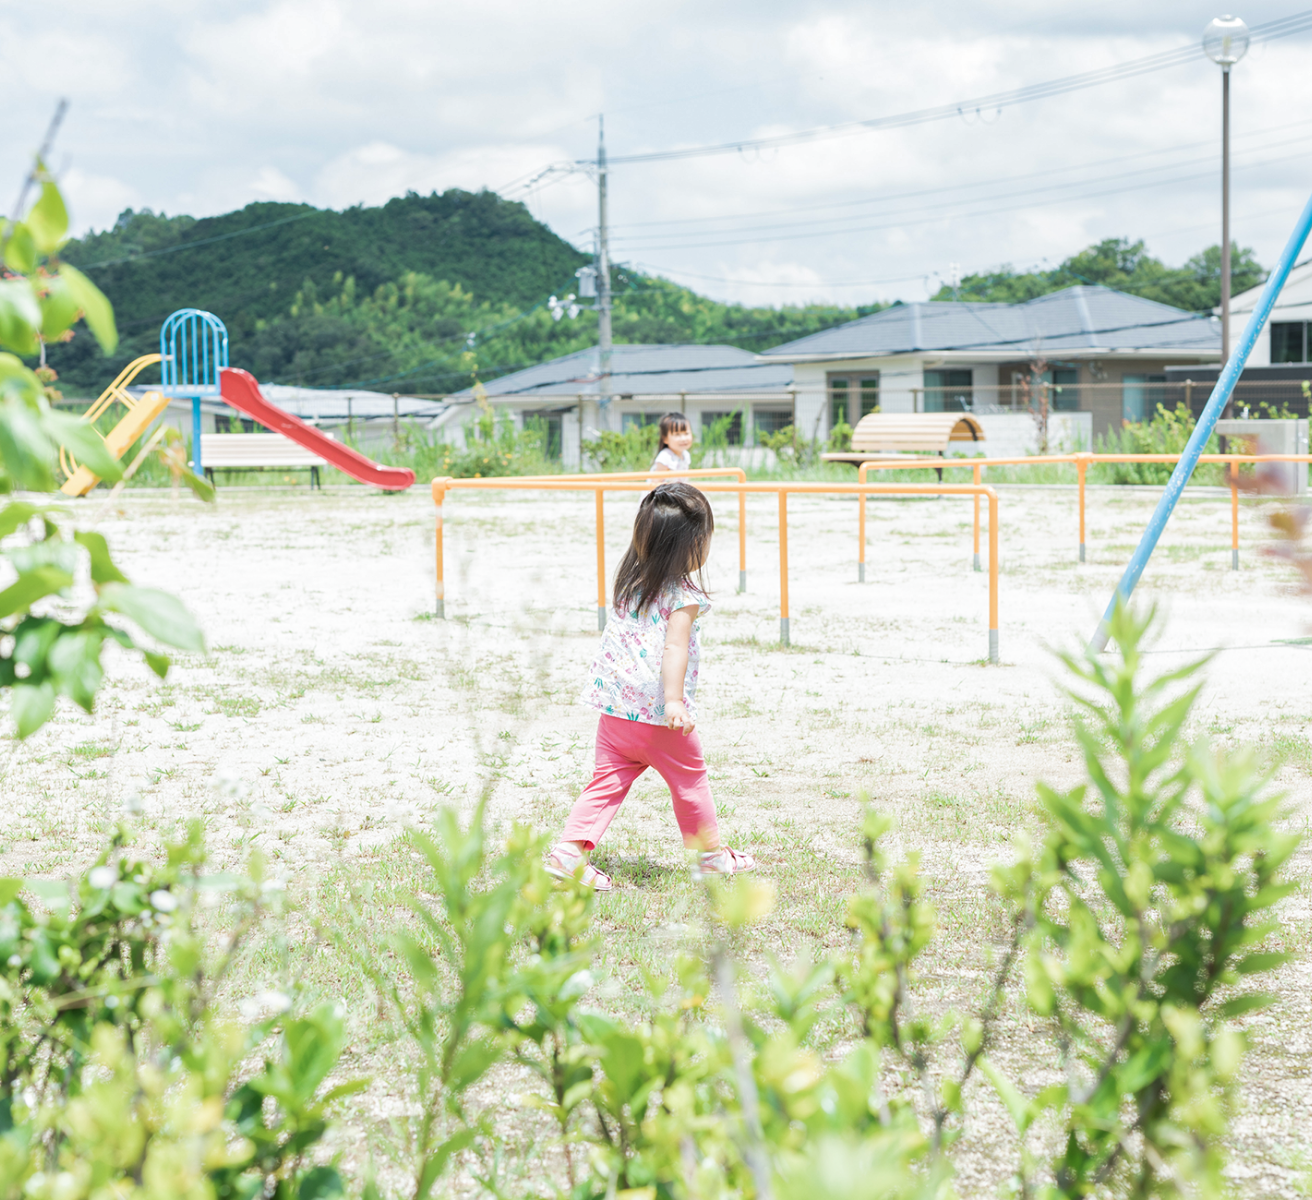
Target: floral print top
[[626, 674]]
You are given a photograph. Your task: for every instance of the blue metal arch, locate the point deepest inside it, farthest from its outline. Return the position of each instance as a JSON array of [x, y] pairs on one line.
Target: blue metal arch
[[194, 346]]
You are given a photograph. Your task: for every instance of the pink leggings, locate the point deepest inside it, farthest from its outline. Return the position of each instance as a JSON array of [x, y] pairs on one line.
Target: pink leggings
[[625, 749]]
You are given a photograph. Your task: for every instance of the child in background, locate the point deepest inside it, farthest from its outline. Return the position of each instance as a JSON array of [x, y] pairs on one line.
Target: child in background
[[676, 444], [644, 680]]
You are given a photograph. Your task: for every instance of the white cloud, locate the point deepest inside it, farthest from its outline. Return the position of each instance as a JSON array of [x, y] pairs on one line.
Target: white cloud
[[196, 107], [271, 184]]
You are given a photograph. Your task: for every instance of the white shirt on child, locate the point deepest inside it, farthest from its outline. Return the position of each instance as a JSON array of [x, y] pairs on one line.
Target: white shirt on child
[[671, 461], [626, 674]]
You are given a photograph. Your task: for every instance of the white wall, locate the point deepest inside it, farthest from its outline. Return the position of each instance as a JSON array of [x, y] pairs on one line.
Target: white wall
[[1008, 435], [1293, 304]]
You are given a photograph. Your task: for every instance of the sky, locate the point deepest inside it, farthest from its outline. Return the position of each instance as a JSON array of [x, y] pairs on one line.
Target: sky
[[186, 107]]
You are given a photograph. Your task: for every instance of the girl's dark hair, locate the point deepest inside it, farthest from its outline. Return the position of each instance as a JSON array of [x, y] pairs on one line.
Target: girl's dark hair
[[672, 423], [670, 538]]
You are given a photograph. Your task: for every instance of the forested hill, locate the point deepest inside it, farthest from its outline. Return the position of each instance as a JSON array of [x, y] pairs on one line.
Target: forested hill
[[383, 297], [1124, 265], [386, 298]]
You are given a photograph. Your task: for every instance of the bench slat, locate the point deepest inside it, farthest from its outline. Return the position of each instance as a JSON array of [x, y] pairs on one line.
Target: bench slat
[[254, 450]]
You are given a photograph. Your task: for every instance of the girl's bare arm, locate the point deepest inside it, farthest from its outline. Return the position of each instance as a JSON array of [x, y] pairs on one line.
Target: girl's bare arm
[[674, 667]]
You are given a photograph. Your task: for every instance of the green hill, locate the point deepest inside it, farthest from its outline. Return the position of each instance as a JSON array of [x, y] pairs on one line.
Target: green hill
[[382, 297]]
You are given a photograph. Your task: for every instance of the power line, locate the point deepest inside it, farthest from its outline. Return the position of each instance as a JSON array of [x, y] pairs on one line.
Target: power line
[[1046, 173], [1267, 31], [717, 242], [222, 237]]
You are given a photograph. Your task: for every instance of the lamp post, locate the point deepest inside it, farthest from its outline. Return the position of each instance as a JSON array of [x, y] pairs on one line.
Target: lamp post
[[1225, 42]]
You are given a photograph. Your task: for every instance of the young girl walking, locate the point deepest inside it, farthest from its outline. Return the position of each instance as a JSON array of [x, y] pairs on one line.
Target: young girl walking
[[643, 681], [675, 451]]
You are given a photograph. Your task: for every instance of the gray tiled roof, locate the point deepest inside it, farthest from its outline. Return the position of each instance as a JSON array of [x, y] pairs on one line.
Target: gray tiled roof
[[648, 370], [1086, 317]]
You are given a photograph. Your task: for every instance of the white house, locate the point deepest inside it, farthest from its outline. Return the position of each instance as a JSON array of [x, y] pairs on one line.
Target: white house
[[1283, 339], [570, 398], [1098, 351]]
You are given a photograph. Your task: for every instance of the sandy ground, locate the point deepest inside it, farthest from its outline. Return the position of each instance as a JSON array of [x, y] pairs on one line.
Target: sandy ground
[[333, 709]]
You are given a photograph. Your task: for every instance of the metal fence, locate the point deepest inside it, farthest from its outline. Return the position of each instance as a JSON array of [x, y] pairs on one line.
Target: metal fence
[[1125, 400]]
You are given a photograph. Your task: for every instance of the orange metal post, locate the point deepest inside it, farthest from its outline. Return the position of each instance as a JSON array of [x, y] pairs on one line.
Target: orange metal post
[[601, 559], [1081, 466], [1234, 516], [861, 477], [978, 472], [993, 577], [783, 566], [439, 494], [742, 539]]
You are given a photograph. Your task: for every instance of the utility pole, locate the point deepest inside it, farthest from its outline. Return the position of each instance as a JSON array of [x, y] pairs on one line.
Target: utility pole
[[1225, 215], [603, 270]]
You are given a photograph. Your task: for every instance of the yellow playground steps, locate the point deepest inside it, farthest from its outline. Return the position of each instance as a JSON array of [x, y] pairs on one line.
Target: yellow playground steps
[[138, 418]]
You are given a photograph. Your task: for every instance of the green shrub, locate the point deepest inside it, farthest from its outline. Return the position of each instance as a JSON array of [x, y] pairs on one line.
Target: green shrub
[[1166, 433], [633, 450], [118, 1074], [493, 447]]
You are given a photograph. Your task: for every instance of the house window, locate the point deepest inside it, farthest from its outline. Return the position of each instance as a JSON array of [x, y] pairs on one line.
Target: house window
[[771, 420], [1140, 398], [722, 428], [852, 397], [548, 427], [1065, 389], [636, 420], [1289, 341], [949, 390], [838, 400]]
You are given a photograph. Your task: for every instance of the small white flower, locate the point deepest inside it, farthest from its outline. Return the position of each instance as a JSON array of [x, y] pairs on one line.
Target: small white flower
[[266, 1002], [163, 901], [102, 877], [132, 803], [15, 961], [230, 784]]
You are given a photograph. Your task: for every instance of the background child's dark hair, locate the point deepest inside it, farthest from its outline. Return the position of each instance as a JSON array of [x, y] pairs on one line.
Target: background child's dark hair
[[670, 538], [672, 423]]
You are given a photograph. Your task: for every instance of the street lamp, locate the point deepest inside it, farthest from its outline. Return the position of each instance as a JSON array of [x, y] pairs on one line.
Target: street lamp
[[1225, 41]]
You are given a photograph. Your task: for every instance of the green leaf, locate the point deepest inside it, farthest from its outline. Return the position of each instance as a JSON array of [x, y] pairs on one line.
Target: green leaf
[[85, 444], [20, 316], [103, 569], [472, 1063], [20, 249], [159, 663], [1251, 964], [202, 488], [158, 613], [1018, 1107], [96, 309], [319, 1183], [31, 706], [1246, 1004], [58, 309], [48, 219], [32, 586]]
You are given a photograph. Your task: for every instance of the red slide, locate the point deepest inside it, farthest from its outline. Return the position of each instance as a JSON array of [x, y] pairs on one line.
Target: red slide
[[242, 391]]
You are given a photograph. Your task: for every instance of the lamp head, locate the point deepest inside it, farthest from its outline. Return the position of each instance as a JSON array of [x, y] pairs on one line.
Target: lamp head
[[1225, 40]]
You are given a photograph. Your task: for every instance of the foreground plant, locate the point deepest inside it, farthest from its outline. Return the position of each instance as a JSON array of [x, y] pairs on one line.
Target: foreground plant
[[1148, 906], [120, 1075], [50, 640]]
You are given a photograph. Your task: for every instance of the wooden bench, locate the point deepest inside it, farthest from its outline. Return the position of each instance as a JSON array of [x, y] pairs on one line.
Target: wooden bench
[[881, 436], [256, 452]]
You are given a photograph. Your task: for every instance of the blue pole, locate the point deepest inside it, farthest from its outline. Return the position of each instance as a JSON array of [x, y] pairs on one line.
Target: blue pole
[[1216, 403], [196, 467]]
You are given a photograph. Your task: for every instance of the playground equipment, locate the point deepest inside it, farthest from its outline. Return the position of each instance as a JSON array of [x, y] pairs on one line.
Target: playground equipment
[[1216, 402], [193, 358], [141, 412], [240, 389], [600, 484], [193, 347]]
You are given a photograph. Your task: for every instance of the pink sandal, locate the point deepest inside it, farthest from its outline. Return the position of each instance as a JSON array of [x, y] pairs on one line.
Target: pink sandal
[[724, 861], [568, 864]]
